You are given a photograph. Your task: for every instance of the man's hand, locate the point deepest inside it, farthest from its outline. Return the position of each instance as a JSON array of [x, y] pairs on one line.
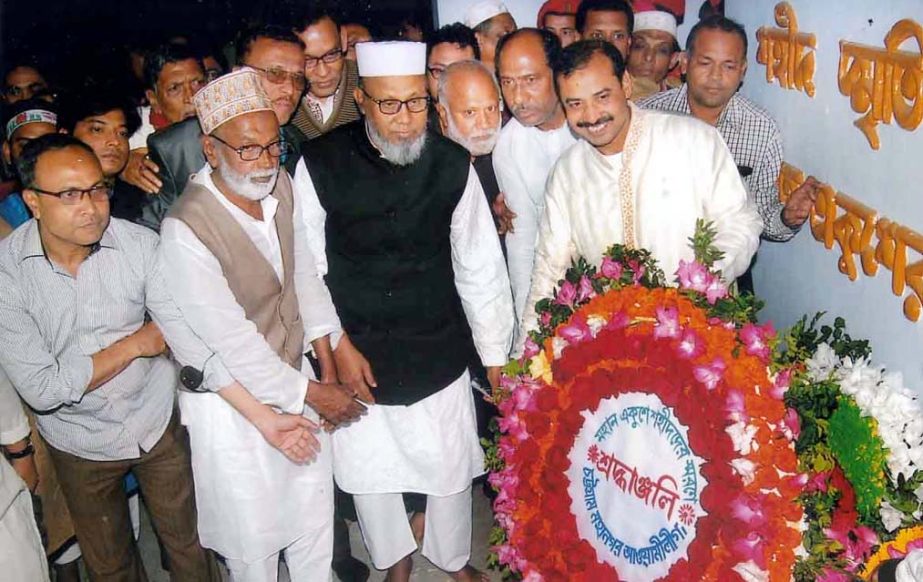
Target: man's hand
[[25, 468], [336, 403], [799, 205], [354, 370], [148, 341], [503, 213], [493, 376], [142, 172], [291, 434]]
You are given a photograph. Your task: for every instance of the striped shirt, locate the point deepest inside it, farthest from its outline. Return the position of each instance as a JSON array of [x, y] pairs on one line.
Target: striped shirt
[[756, 145], [52, 323]]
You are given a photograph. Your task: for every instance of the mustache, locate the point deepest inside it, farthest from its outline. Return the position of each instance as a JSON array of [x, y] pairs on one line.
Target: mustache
[[600, 121]]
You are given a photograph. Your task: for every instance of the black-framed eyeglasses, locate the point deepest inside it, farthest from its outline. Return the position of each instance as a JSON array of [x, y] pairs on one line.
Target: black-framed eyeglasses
[[253, 152], [329, 58], [71, 196], [393, 106], [278, 76]]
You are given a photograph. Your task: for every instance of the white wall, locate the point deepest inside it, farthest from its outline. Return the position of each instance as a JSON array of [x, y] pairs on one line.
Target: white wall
[[524, 11], [802, 276]]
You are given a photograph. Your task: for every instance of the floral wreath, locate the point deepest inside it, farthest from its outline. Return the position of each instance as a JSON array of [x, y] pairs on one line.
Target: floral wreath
[[617, 330]]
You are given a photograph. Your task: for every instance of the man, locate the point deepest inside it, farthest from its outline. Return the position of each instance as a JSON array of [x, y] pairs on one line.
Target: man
[[638, 178], [491, 21], [559, 17], [529, 144], [332, 79], [608, 20], [356, 32], [412, 260], [278, 56], [23, 81], [240, 272], [654, 54], [23, 122], [172, 73], [75, 288], [105, 121], [22, 556], [452, 43], [714, 65]]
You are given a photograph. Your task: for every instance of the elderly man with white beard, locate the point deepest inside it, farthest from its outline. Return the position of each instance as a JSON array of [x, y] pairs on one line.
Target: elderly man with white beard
[[401, 229], [237, 264]]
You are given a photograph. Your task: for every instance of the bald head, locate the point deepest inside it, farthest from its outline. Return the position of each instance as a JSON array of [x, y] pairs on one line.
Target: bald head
[[467, 76], [469, 106]]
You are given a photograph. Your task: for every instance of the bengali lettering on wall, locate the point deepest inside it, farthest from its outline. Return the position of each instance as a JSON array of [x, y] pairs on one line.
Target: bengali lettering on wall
[[864, 240], [885, 83], [787, 53]]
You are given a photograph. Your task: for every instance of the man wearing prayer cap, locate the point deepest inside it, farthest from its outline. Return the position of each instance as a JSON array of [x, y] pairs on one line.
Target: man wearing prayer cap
[[559, 17], [401, 230], [23, 121], [238, 266], [654, 53], [491, 21]]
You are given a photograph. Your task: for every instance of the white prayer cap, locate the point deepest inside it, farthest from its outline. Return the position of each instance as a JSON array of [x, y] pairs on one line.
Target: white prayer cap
[[656, 20], [391, 59], [481, 11], [230, 96]]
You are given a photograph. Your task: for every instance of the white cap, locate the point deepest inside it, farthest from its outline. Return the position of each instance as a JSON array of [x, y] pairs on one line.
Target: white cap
[[656, 20], [391, 59], [481, 11]]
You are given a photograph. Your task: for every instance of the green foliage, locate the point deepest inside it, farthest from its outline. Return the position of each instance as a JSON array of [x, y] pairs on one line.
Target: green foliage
[[858, 449], [805, 336], [703, 243]]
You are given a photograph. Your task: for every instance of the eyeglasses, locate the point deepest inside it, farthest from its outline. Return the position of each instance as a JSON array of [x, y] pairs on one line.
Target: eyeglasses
[[329, 58], [393, 106], [278, 76], [69, 197], [253, 152]]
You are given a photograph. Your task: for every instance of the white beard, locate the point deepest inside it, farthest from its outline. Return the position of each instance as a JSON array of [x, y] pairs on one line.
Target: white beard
[[477, 145], [402, 153], [244, 184]]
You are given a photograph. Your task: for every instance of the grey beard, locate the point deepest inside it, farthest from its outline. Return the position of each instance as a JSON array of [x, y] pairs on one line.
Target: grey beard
[[402, 153], [475, 148], [243, 184]]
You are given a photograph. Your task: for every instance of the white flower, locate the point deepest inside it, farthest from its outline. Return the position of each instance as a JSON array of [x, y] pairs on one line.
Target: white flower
[[595, 323], [742, 436], [557, 346], [750, 572], [822, 363], [918, 492], [746, 469], [891, 518]]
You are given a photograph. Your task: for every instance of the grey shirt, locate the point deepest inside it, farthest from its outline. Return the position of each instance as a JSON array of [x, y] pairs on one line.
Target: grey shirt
[[52, 323]]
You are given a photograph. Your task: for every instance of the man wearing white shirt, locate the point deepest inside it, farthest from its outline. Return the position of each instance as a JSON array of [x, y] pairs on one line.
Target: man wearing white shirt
[[404, 236], [240, 272], [625, 186], [529, 144]]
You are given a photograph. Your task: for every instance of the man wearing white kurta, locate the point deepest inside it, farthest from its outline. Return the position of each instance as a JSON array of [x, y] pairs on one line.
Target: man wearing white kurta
[[240, 271], [401, 229], [641, 178], [529, 144]]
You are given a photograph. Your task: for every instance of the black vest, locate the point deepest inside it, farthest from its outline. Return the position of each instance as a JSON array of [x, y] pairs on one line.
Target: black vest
[[389, 258]]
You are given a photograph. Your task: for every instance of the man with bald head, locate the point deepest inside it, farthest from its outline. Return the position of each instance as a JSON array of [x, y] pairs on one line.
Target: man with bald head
[[529, 144], [402, 232]]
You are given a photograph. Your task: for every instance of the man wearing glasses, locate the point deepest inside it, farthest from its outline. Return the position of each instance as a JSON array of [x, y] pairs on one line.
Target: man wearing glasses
[[238, 266], [277, 55], [410, 253], [328, 103], [75, 289]]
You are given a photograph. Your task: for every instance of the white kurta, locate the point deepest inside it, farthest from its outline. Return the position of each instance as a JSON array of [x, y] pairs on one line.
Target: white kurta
[[523, 158], [430, 446], [251, 500], [681, 170]]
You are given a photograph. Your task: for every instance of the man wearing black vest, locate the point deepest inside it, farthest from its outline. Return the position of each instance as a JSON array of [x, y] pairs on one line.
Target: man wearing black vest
[[399, 224]]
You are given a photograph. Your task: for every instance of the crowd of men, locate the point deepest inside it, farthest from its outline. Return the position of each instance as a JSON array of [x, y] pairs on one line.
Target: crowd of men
[[273, 295]]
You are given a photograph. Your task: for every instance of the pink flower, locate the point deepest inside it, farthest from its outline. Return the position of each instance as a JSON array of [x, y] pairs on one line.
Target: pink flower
[[533, 576], [510, 556], [798, 481], [504, 480], [545, 318], [638, 270], [710, 374], [692, 275], [831, 575], [690, 346], [611, 269], [514, 426], [576, 331], [748, 510], [756, 339], [792, 423], [781, 384], [818, 482], [667, 323], [857, 543], [894, 553], [585, 289], [530, 349], [752, 547], [618, 321], [566, 294], [715, 289], [506, 448], [523, 398], [736, 407]]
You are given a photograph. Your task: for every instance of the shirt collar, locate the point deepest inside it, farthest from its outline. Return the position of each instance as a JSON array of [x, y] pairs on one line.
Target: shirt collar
[[730, 116], [32, 244]]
